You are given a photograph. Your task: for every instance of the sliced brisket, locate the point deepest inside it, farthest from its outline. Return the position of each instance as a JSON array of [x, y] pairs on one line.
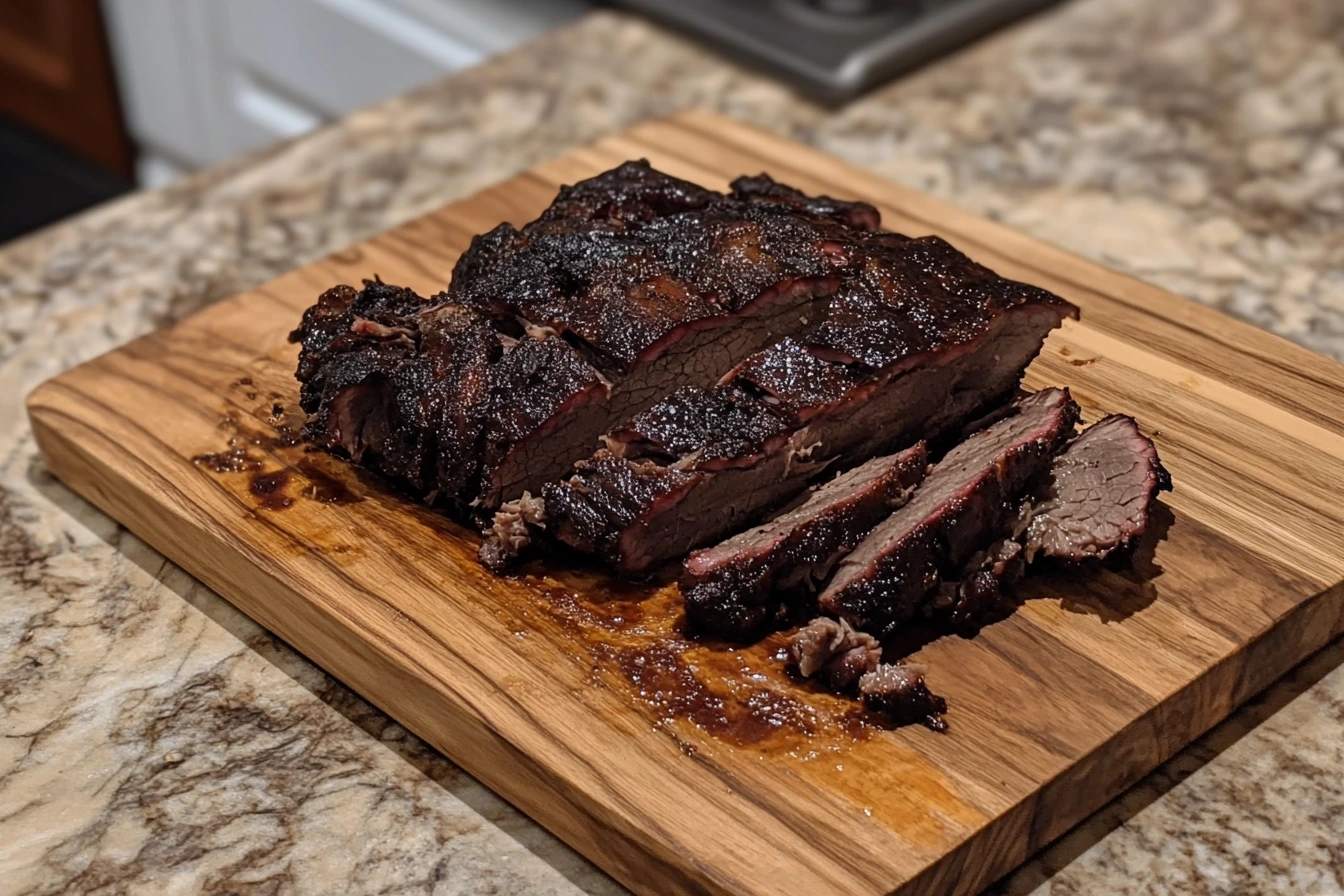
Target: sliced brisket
[[962, 505], [627, 299], [797, 409], [735, 587], [1095, 501], [1099, 496]]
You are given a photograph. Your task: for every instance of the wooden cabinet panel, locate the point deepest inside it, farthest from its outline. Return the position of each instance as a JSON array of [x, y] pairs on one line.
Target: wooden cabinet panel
[[55, 77]]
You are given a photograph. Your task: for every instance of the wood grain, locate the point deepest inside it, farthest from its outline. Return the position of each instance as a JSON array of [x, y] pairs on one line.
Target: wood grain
[[559, 689]]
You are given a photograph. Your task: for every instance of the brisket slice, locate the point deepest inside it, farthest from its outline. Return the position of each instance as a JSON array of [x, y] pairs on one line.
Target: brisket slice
[[1096, 500], [1099, 496], [962, 505], [805, 413], [905, 297], [850, 662], [732, 589]]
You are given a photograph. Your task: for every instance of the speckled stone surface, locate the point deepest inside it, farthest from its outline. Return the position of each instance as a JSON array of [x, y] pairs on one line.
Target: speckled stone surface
[[152, 740]]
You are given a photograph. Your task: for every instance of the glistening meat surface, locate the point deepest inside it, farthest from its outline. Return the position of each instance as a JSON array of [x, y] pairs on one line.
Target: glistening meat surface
[[961, 506], [813, 402], [630, 285], [740, 584]]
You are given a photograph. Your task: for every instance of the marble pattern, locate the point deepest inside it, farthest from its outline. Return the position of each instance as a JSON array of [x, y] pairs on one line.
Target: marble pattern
[[153, 740]]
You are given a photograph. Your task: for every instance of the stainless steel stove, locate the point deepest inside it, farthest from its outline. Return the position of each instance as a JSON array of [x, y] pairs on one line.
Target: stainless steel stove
[[835, 49]]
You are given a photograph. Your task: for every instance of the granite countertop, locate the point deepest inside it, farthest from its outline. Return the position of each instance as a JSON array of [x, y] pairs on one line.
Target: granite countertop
[[154, 740]]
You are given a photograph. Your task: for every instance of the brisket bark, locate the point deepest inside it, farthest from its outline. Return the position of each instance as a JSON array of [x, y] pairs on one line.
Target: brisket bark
[[656, 283], [737, 586], [965, 336], [629, 285], [398, 384], [962, 505]]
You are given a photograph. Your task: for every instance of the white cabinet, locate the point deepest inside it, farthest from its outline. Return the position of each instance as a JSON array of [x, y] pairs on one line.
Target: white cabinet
[[205, 80]]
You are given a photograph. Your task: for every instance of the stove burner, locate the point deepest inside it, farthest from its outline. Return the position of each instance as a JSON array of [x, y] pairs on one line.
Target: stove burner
[[862, 16], [853, 7], [835, 49]]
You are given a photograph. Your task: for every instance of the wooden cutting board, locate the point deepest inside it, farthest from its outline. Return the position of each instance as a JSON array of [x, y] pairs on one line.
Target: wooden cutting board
[[688, 768]]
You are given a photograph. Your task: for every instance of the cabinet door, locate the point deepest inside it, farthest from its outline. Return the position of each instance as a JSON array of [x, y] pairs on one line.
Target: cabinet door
[[55, 77], [333, 56], [206, 80]]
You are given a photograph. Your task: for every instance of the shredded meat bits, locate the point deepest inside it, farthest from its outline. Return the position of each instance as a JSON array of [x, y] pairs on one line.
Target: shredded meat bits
[[511, 532], [850, 661]]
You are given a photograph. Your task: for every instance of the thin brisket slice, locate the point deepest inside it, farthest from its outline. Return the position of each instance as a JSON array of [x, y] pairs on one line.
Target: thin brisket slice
[[732, 589], [1099, 496], [797, 409], [962, 505], [1096, 501]]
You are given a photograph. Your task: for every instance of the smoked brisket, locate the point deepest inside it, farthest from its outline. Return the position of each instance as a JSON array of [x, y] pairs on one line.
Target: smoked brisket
[[963, 504], [630, 285], [735, 587], [1099, 495], [830, 399]]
